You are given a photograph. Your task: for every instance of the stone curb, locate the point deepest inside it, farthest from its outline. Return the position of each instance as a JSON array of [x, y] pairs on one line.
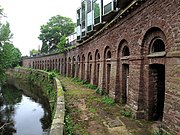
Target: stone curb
[[57, 126]]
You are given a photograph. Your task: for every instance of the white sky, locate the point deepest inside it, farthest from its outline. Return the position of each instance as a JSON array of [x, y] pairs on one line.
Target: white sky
[[26, 17]]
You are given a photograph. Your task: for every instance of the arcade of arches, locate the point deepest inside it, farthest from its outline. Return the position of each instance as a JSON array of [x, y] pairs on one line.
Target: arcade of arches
[[137, 67]]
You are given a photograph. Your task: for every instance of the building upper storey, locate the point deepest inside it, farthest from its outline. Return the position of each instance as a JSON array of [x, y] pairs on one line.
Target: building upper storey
[[94, 14]]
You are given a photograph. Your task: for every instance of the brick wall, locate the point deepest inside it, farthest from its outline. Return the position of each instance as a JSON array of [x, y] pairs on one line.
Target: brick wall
[[153, 21]]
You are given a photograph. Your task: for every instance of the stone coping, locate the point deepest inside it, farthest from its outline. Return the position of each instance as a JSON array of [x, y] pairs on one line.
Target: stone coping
[[57, 126]]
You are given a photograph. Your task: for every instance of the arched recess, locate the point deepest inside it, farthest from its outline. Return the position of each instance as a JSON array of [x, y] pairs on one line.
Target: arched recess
[[65, 66], [50, 68], [123, 72], [73, 66], [97, 68], [48, 65], [154, 49], [59, 65], [53, 63], [44, 65], [107, 69], [56, 64], [69, 67], [33, 65], [62, 66], [83, 67], [89, 67], [78, 66]]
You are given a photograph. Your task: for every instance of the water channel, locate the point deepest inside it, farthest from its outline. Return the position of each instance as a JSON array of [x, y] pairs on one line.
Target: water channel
[[23, 110]]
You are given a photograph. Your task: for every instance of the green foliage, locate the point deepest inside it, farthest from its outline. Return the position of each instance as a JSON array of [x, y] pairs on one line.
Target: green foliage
[[62, 43], [68, 125], [96, 9], [51, 33], [84, 83], [108, 100], [5, 33], [52, 74], [9, 55], [90, 86], [11, 94], [160, 131], [92, 110], [33, 52], [126, 113], [99, 91], [79, 81]]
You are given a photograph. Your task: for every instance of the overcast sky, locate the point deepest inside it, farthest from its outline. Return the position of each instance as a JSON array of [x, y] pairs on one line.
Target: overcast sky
[[26, 17]]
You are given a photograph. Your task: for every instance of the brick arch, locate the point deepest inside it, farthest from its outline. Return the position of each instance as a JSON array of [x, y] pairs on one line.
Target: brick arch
[[107, 69], [65, 65], [153, 73], [73, 66], [69, 67], [56, 64], [163, 26], [89, 67], [122, 76], [96, 67], [62, 66], [107, 52], [78, 66], [151, 35], [59, 65], [83, 66]]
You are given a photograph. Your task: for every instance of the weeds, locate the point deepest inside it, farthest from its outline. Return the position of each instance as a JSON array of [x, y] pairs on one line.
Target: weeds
[[68, 125], [108, 100], [92, 110], [90, 86], [160, 131], [99, 91], [126, 113], [52, 75], [84, 83]]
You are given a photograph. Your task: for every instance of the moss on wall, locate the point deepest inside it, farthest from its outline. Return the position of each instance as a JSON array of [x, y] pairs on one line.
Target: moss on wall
[[40, 78]]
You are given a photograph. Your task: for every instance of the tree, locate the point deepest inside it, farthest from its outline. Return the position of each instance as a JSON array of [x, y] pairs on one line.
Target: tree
[[62, 43], [5, 33], [33, 52], [52, 32], [9, 55]]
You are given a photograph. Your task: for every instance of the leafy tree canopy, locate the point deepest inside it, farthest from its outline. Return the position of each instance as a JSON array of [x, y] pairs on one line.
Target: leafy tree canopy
[[62, 43], [9, 55], [51, 33], [33, 52]]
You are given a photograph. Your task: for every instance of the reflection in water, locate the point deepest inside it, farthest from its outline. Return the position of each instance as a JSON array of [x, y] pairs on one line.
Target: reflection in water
[[23, 112]]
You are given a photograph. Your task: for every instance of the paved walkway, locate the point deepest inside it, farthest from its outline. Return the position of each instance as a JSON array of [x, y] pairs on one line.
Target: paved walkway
[[93, 114]]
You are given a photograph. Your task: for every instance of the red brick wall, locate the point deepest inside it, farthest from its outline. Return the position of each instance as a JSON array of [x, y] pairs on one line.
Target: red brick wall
[[153, 19]]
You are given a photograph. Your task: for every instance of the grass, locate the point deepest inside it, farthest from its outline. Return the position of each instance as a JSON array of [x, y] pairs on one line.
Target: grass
[[108, 100], [126, 113], [92, 110], [88, 110]]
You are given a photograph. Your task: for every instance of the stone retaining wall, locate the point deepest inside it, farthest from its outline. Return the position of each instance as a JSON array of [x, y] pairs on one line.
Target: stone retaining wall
[[57, 127]]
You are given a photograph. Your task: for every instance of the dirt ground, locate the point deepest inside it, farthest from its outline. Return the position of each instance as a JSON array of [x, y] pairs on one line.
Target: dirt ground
[[92, 114]]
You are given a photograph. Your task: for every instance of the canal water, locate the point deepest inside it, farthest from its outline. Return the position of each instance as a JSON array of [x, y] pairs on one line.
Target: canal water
[[24, 110]]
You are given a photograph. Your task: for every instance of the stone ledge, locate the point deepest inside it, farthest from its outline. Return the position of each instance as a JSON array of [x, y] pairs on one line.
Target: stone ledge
[[57, 126]]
